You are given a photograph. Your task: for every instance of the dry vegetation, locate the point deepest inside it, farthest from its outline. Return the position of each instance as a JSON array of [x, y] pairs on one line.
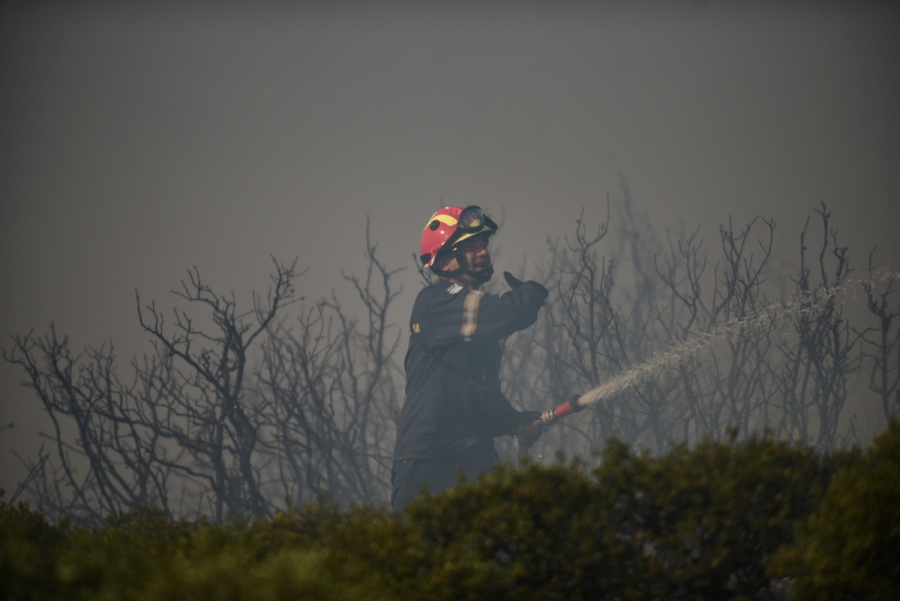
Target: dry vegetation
[[234, 411]]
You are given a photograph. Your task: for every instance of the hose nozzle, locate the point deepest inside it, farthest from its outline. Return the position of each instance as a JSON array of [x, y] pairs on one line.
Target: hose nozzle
[[551, 415]]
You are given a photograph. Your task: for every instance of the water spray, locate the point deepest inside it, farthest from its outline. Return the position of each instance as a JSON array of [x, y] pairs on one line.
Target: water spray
[[803, 305]]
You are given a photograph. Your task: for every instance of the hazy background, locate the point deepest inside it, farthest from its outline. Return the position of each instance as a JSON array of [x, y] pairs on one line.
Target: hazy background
[[140, 139]]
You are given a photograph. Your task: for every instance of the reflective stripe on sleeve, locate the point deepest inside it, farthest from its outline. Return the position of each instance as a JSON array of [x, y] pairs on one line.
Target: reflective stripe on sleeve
[[470, 314]]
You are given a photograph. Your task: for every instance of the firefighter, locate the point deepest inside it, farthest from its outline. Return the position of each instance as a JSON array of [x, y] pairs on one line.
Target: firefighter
[[454, 408]]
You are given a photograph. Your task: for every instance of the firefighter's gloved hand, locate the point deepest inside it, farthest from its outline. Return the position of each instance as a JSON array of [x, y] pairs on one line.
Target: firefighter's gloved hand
[[528, 434], [515, 282], [527, 417], [512, 280]]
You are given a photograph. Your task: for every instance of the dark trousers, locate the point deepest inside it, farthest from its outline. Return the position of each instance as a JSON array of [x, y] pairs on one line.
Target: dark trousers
[[408, 477]]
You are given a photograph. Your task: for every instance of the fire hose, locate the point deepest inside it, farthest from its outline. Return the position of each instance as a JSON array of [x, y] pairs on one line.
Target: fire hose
[[530, 432], [550, 416]]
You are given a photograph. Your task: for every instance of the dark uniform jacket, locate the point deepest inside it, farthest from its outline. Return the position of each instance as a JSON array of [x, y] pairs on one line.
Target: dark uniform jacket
[[453, 396]]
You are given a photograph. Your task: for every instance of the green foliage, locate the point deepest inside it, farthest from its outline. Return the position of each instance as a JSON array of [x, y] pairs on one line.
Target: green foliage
[[705, 519], [692, 524], [29, 548], [695, 523], [849, 548], [533, 533], [145, 555], [215, 562]]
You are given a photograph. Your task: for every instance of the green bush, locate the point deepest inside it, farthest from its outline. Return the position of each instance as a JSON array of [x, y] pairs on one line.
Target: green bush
[[695, 523], [692, 524], [704, 520], [849, 548], [144, 555], [210, 565], [29, 548]]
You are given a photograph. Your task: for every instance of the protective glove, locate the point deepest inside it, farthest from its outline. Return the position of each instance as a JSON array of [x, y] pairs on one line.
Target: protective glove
[[528, 434], [512, 280], [515, 282], [525, 418]]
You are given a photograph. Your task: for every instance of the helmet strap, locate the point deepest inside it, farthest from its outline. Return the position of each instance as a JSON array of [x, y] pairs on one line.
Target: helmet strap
[[464, 268], [451, 273]]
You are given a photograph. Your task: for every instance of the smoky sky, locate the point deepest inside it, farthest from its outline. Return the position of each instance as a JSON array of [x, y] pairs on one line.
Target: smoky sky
[[140, 139]]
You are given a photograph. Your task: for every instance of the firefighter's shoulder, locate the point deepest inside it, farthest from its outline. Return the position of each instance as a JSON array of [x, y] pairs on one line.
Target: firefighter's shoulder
[[454, 288]]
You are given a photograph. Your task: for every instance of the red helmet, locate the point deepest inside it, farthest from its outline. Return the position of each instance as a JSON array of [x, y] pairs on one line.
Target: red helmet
[[450, 226]]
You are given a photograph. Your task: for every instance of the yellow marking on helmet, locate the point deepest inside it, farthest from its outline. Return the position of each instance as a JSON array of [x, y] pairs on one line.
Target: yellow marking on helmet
[[445, 219]]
